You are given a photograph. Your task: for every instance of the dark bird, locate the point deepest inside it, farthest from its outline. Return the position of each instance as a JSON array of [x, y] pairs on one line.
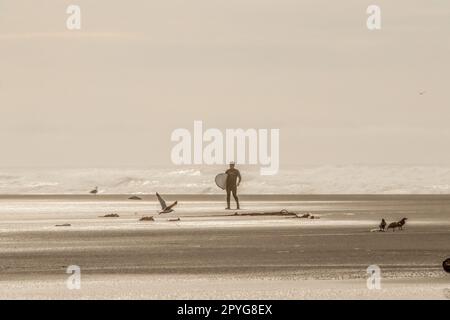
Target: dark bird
[[164, 207], [383, 225], [398, 224], [95, 191]]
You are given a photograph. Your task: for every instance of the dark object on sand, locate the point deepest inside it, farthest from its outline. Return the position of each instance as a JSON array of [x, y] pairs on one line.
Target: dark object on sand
[[446, 265], [174, 219], [134, 198], [283, 212], [383, 225], [147, 219], [306, 216], [111, 215], [95, 191], [398, 224], [63, 225]]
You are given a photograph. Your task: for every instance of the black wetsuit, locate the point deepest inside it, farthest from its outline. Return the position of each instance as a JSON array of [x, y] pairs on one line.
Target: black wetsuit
[[233, 175]]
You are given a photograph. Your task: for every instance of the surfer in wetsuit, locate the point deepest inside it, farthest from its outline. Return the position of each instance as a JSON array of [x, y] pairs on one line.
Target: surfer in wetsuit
[[233, 181]]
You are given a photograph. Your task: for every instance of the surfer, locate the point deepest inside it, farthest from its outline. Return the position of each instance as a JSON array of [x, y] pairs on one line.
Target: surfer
[[233, 181]]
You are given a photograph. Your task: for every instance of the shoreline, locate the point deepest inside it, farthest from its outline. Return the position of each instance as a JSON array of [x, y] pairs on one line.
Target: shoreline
[[221, 196]]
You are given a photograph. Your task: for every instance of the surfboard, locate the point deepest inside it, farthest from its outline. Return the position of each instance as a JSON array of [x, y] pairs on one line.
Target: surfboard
[[221, 180]]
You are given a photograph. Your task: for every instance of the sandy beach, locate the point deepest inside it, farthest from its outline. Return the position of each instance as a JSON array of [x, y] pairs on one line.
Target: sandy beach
[[213, 253]]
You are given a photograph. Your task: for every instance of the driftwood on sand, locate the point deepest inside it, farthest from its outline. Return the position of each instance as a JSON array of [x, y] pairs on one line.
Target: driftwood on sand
[[135, 198], [111, 215], [283, 212], [63, 225], [306, 216], [147, 219]]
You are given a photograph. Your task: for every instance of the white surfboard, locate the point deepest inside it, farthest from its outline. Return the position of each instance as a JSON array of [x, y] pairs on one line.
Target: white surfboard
[[221, 180]]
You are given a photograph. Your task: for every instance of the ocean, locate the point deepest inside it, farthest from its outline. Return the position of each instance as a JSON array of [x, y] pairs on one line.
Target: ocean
[[349, 179]]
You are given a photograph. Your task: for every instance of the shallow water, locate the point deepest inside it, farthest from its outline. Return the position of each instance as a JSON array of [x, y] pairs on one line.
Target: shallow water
[[417, 208]]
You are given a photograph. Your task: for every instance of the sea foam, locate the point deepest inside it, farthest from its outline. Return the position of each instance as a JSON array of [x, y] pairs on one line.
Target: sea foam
[[194, 180]]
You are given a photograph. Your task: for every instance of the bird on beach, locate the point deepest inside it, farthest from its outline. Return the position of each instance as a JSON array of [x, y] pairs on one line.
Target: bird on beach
[[164, 207], [398, 224], [95, 191]]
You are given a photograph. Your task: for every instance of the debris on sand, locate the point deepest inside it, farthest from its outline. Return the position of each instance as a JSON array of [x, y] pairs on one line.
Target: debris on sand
[[111, 215], [174, 219], [283, 212], [63, 225], [135, 198], [147, 219], [303, 216]]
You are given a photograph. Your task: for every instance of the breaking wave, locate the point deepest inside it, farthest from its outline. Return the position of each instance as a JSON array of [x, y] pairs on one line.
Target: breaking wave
[[194, 180]]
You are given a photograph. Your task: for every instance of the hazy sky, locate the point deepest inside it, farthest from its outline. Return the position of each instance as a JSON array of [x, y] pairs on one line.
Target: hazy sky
[[112, 93]]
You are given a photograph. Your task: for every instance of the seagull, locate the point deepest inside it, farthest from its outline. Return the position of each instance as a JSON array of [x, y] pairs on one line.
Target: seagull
[[165, 208], [95, 191]]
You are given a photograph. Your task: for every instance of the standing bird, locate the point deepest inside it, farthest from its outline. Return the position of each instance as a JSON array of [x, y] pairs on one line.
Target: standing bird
[[95, 191], [398, 224], [383, 225], [164, 207]]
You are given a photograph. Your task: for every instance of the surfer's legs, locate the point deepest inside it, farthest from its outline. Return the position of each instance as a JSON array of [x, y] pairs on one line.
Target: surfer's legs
[[233, 190], [228, 197], [235, 197]]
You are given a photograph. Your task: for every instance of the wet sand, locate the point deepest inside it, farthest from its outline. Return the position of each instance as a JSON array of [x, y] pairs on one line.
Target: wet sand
[[280, 262], [207, 256]]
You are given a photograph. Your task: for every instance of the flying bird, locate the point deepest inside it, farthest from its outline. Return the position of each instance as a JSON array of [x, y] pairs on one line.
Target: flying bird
[[95, 191], [165, 208]]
